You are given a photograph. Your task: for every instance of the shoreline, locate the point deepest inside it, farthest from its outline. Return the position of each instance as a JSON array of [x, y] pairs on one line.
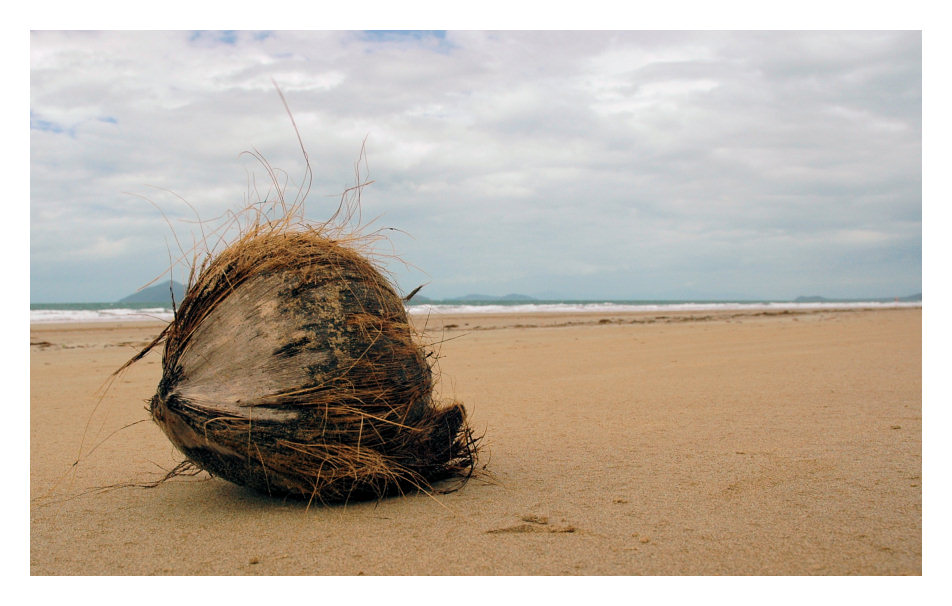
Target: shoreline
[[486, 320], [112, 315]]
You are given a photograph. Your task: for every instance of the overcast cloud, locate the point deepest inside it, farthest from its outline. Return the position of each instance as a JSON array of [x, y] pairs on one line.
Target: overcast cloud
[[629, 165]]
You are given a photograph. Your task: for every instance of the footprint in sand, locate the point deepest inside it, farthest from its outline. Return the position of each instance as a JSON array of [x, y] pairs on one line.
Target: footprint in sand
[[533, 523]]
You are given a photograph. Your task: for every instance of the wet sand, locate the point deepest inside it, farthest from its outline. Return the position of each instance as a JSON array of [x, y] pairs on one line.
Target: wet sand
[[634, 444]]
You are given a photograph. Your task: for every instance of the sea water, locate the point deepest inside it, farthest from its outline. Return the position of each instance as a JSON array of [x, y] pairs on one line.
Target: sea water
[[143, 312]]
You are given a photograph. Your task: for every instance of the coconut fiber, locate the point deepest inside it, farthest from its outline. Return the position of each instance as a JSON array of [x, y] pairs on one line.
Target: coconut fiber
[[291, 367]]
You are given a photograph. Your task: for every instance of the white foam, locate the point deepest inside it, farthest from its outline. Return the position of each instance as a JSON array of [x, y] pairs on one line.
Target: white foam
[[47, 316], [609, 307]]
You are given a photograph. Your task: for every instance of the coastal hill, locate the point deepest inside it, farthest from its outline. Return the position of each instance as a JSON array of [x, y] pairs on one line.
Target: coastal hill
[[158, 294]]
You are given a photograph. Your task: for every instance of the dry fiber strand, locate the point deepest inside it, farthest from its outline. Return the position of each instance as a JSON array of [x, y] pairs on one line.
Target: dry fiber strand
[[291, 367]]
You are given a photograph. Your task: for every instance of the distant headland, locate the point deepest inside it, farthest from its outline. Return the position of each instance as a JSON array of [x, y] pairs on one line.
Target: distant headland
[[158, 294]]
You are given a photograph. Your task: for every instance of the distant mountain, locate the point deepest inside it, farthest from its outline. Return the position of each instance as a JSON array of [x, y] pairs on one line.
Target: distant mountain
[[817, 299], [158, 294], [491, 298]]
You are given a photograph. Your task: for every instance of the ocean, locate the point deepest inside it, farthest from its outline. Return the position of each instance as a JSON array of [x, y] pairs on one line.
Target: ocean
[[140, 312]]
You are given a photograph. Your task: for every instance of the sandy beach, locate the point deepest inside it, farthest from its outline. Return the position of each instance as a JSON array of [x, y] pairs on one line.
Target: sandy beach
[[729, 443]]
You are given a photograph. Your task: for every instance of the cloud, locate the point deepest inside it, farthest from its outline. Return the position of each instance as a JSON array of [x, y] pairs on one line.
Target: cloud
[[584, 164]]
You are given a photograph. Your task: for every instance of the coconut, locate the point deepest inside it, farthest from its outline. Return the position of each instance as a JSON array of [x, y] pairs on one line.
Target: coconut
[[291, 367]]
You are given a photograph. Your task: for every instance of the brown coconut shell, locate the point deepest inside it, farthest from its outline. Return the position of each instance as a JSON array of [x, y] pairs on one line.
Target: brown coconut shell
[[291, 367]]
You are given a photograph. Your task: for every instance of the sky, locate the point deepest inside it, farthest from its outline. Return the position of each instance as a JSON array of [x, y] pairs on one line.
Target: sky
[[557, 164]]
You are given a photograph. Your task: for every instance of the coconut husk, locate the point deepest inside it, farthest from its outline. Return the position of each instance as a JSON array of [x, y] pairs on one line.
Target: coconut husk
[[291, 367]]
